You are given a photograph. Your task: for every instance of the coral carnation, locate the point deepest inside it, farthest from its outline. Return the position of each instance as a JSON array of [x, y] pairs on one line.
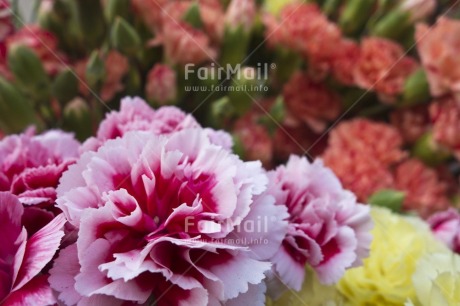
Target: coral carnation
[[438, 47], [445, 116], [344, 61], [305, 29], [380, 140], [311, 102], [184, 44], [165, 219], [425, 192], [360, 153], [116, 67], [382, 66], [254, 139], [411, 122]]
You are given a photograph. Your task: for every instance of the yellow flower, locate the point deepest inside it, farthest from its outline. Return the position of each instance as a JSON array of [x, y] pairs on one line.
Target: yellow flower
[[386, 275], [313, 293], [437, 280]]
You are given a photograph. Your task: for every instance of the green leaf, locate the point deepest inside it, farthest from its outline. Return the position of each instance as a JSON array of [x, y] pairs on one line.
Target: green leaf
[[389, 198]]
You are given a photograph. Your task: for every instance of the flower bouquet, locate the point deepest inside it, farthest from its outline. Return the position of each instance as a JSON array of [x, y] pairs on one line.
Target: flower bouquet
[[230, 152]]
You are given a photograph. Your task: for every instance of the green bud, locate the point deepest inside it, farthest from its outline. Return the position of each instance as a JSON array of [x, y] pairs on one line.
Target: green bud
[[125, 38], [238, 147], [16, 111], [193, 16], [243, 90], [77, 118], [330, 7], [65, 86], [271, 120], [392, 25], [209, 90], [287, 62], [91, 22], [115, 8], [429, 151], [355, 15], [389, 198], [29, 73], [353, 94], [234, 46], [95, 71], [384, 6], [277, 111], [221, 111], [416, 89], [62, 19], [133, 82]]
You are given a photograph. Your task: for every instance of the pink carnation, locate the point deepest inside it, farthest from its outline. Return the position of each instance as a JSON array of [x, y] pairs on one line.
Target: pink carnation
[[328, 229], [136, 115], [23, 256], [212, 14], [310, 101], [438, 47], [382, 66], [6, 22], [161, 84], [241, 13], [446, 227], [418, 9], [30, 166], [150, 12], [445, 116], [165, 218], [43, 43], [425, 192]]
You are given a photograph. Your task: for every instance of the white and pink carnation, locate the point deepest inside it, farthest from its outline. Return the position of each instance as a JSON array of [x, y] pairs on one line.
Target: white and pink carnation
[[446, 227], [171, 220], [328, 229], [23, 256], [136, 115], [31, 165]]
